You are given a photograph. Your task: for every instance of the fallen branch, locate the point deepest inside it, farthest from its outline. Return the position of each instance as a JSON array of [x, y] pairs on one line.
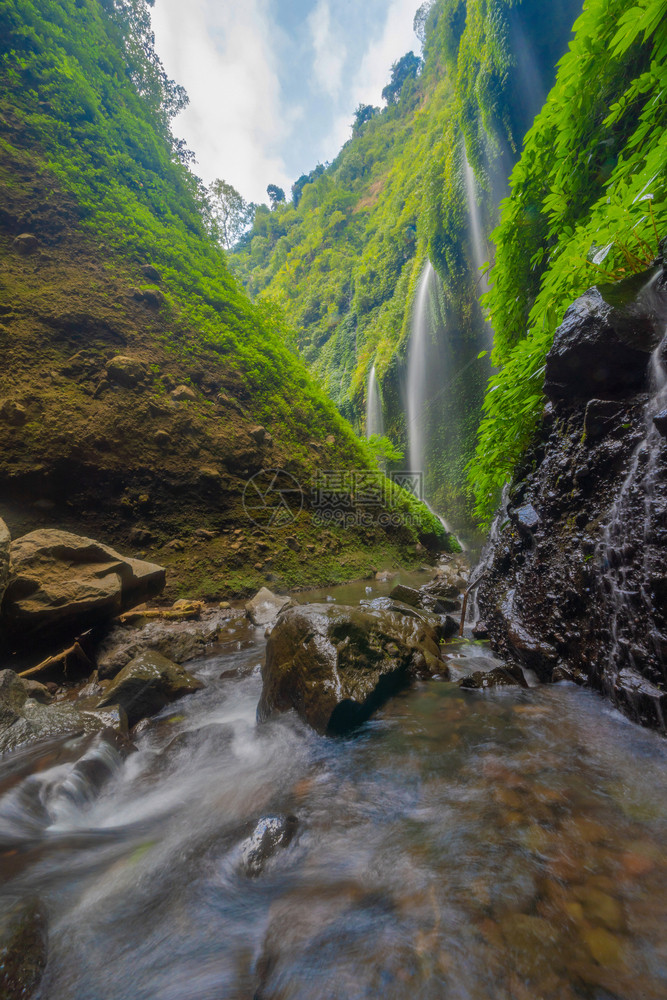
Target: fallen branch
[[60, 660]]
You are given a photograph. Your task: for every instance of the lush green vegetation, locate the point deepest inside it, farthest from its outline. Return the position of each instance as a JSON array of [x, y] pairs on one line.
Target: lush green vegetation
[[85, 100], [343, 259], [588, 204]]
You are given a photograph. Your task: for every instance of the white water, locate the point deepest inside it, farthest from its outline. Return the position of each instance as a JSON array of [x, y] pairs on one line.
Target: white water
[[374, 417], [418, 371], [480, 248], [618, 561]]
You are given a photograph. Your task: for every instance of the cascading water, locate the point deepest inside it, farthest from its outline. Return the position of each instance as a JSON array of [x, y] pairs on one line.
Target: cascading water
[[374, 418], [479, 246], [624, 589], [418, 370]]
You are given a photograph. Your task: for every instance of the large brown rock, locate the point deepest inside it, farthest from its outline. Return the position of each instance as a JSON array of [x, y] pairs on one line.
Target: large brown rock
[[335, 665], [265, 606], [147, 684], [67, 582]]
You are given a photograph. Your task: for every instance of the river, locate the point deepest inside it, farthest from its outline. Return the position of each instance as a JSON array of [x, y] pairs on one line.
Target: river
[[497, 846]]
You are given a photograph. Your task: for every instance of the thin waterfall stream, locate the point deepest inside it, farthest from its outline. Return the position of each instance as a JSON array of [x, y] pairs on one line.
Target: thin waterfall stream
[[374, 416]]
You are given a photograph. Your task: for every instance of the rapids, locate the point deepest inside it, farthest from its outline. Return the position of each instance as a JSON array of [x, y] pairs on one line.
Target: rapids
[[476, 847]]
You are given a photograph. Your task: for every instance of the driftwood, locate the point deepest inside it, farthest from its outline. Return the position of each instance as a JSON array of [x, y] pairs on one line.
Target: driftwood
[[63, 660], [469, 591]]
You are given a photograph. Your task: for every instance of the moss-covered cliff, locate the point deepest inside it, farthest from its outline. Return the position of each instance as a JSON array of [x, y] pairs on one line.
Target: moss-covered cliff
[[140, 388]]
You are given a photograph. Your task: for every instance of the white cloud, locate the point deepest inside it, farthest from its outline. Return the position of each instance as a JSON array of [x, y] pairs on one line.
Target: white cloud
[[235, 123], [329, 52], [373, 75]]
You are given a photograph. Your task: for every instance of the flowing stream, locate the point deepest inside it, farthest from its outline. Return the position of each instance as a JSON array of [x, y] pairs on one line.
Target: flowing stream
[[507, 845], [374, 418]]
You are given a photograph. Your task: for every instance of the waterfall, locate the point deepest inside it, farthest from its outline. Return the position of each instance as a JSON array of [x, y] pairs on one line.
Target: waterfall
[[479, 245], [418, 371], [374, 418]]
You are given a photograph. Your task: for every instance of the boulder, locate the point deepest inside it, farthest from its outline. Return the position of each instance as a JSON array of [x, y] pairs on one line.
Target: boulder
[[510, 675], [68, 582], [424, 601], [150, 272], [179, 641], [5, 544], [271, 834], [23, 952], [265, 606], [147, 684], [335, 665], [600, 349], [127, 372]]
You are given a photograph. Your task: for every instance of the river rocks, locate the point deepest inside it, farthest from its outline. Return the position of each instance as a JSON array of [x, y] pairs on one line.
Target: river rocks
[[265, 607], [510, 675], [126, 372], [600, 346], [23, 953], [179, 641], [68, 582], [27, 713], [271, 834], [147, 684], [422, 600], [336, 665]]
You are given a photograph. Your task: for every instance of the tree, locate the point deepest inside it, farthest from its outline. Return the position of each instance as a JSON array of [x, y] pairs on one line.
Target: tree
[[406, 68], [421, 17], [276, 195], [232, 214], [363, 114], [298, 186]]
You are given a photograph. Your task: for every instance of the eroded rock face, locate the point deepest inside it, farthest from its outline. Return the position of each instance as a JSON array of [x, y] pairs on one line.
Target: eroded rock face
[[147, 684], [66, 582], [581, 592], [336, 665]]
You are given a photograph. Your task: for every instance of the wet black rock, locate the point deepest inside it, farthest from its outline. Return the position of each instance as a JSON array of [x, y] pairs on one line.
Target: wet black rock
[[600, 348], [582, 595], [272, 834], [480, 630], [23, 953], [510, 675], [660, 421]]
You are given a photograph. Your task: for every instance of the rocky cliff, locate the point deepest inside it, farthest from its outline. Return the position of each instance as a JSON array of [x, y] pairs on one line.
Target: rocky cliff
[[574, 579]]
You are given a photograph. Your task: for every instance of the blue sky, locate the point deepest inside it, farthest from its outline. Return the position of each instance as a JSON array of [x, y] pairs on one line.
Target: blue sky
[[273, 84]]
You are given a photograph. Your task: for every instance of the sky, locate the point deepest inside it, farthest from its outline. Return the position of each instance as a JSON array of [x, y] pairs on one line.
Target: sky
[[273, 84]]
